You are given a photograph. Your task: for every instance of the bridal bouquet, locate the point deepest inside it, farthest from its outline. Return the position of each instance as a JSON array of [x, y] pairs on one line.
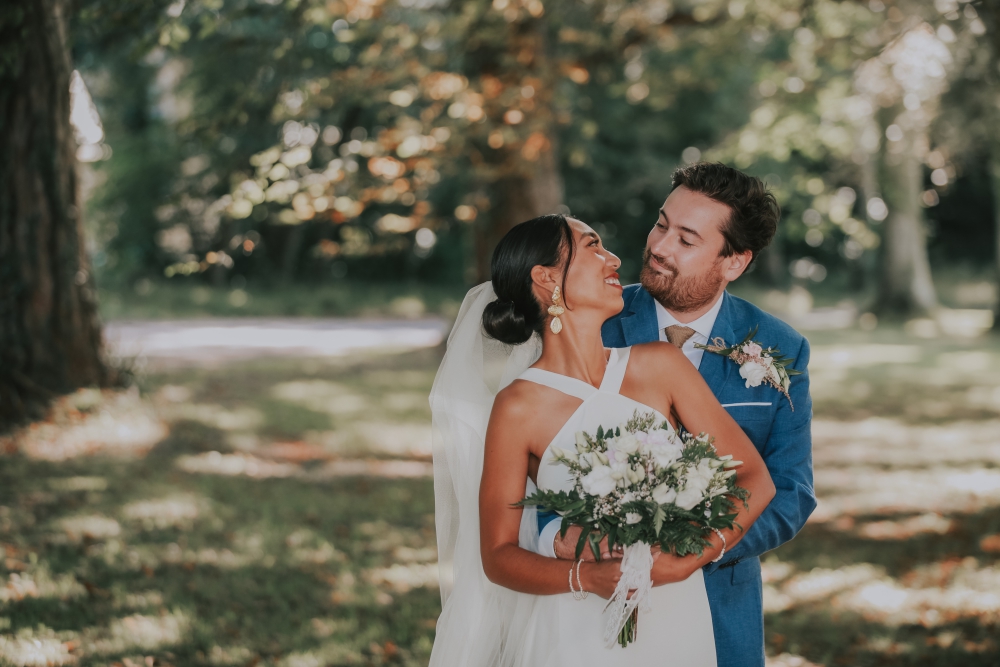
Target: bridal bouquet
[[641, 484]]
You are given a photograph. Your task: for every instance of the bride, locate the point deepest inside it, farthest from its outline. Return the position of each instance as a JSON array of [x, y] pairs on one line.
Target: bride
[[513, 385]]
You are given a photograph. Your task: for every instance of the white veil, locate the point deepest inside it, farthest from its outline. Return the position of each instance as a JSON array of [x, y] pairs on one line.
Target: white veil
[[481, 623]]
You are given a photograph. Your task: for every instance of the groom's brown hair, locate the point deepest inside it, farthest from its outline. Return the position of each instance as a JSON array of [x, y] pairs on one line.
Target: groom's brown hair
[[754, 212]]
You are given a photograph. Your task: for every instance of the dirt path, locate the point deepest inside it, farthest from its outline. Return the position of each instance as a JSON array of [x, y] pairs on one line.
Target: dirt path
[[219, 340]]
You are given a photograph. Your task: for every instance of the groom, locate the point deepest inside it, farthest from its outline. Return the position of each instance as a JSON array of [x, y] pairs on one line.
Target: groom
[[715, 213]]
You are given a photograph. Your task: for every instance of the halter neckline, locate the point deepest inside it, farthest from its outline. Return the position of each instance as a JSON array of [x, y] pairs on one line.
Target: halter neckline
[[614, 374]]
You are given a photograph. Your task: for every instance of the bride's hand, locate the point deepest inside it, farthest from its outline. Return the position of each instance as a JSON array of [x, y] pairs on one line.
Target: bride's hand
[[565, 547], [669, 569], [601, 578]]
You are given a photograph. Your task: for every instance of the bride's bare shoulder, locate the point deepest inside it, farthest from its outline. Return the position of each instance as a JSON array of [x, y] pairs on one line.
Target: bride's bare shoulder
[[518, 400], [529, 404]]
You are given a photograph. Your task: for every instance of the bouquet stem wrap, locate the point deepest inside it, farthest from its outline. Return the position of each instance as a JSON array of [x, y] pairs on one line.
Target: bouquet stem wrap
[[636, 565]]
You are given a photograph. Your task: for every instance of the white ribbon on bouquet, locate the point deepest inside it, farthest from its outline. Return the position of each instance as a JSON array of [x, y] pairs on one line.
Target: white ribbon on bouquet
[[636, 567]]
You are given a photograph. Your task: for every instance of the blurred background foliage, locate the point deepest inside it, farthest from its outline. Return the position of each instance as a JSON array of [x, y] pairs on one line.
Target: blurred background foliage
[[327, 142]]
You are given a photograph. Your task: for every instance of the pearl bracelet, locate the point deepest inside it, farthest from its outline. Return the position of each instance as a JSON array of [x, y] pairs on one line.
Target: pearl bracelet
[[723, 552], [577, 594], [579, 582]]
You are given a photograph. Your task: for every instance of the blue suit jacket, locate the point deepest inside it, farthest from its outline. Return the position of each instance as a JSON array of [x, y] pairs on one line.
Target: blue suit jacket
[[783, 438]]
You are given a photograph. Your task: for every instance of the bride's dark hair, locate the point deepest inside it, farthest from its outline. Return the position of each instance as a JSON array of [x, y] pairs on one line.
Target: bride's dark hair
[[516, 314]]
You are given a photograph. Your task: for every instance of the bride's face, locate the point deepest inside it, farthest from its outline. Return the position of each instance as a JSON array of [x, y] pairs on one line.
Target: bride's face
[[592, 279]]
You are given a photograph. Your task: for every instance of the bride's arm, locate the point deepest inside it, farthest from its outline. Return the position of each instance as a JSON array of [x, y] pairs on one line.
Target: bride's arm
[[505, 469], [699, 411]]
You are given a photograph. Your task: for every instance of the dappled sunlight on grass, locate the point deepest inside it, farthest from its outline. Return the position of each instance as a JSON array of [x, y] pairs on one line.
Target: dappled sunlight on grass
[[42, 651], [88, 527], [284, 516], [38, 582], [179, 511], [321, 396], [965, 591], [861, 490], [90, 422], [895, 566], [215, 463], [400, 578]]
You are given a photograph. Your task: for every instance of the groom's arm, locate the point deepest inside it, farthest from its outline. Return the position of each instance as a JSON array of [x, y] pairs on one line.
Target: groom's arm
[[788, 457], [548, 524]]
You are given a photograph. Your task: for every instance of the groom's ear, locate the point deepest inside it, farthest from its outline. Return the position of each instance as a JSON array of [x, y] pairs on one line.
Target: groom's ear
[[736, 264]]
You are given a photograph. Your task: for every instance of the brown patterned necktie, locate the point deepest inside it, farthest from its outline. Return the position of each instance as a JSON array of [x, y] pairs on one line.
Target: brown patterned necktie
[[678, 334]]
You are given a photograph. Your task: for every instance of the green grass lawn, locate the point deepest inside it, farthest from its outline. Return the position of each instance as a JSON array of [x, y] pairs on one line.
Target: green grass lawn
[[280, 512]]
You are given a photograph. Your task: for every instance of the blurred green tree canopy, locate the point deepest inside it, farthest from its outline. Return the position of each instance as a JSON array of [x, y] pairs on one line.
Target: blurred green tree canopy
[[398, 139]]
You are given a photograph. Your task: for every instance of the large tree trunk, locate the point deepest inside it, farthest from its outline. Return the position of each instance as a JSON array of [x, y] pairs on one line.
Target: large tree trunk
[[525, 179], [518, 198], [995, 181], [990, 12], [905, 285], [50, 337]]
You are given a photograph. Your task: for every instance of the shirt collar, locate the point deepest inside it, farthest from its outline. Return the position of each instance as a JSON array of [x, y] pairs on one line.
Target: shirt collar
[[703, 325]]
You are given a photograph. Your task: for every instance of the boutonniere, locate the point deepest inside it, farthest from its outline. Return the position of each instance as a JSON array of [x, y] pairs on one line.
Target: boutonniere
[[758, 364]]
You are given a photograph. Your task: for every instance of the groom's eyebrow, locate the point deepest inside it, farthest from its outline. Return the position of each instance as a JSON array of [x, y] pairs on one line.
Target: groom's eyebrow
[[690, 231]]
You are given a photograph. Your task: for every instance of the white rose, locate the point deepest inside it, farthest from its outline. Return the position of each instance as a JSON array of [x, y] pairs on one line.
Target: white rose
[[664, 494], [633, 517], [659, 437], [689, 497], [619, 470], [665, 455], [626, 443], [754, 373], [598, 482], [703, 473], [696, 485]]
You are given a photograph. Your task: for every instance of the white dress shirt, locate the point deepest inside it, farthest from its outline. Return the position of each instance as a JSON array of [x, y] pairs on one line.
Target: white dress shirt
[[702, 330]]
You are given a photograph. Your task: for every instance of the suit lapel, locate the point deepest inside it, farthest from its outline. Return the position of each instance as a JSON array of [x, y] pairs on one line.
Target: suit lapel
[[639, 326], [714, 367]]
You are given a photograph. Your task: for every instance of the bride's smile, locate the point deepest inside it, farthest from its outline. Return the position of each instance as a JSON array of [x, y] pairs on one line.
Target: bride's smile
[[591, 281]]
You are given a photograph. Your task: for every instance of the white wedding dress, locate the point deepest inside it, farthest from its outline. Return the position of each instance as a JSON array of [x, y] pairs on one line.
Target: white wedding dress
[[564, 632]]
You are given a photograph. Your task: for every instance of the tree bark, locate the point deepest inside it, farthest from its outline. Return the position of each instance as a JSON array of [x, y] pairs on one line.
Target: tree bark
[[989, 10], [526, 180], [518, 198], [905, 285], [50, 336], [995, 181]]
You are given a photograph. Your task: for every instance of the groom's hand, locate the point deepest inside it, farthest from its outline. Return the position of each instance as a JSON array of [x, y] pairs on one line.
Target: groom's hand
[[565, 547]]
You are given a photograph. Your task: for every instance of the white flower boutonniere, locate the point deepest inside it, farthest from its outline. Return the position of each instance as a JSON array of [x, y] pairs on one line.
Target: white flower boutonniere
[[758, 364]]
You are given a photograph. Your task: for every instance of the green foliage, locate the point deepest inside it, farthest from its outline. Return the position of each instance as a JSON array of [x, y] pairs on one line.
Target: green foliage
[[328, 134]]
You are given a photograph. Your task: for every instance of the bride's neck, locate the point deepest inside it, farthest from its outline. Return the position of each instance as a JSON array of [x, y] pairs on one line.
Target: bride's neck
[[576, 351]]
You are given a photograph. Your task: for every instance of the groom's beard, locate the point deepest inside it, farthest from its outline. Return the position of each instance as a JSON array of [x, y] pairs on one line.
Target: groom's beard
[[677, 293]]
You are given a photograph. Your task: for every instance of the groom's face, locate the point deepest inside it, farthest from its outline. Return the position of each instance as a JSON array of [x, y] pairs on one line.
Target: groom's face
[[682, 265]]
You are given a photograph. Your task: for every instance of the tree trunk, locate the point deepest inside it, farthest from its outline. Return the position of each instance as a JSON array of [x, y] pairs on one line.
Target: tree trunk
[[50, 336], [995, 181], [990, 12], [526, 178], [905, 285], [518, 198]]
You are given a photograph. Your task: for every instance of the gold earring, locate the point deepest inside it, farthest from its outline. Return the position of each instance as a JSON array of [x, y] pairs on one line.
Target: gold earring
[[555, 310]]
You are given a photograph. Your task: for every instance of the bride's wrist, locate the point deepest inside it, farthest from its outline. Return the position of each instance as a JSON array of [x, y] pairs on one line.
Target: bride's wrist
[[585, 572]]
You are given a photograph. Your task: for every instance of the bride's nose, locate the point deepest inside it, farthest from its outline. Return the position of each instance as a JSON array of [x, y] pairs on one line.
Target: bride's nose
[[614, 260]]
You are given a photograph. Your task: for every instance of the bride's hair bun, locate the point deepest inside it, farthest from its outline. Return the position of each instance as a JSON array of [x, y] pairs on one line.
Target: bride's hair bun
[[516, 314], [502, 321]]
